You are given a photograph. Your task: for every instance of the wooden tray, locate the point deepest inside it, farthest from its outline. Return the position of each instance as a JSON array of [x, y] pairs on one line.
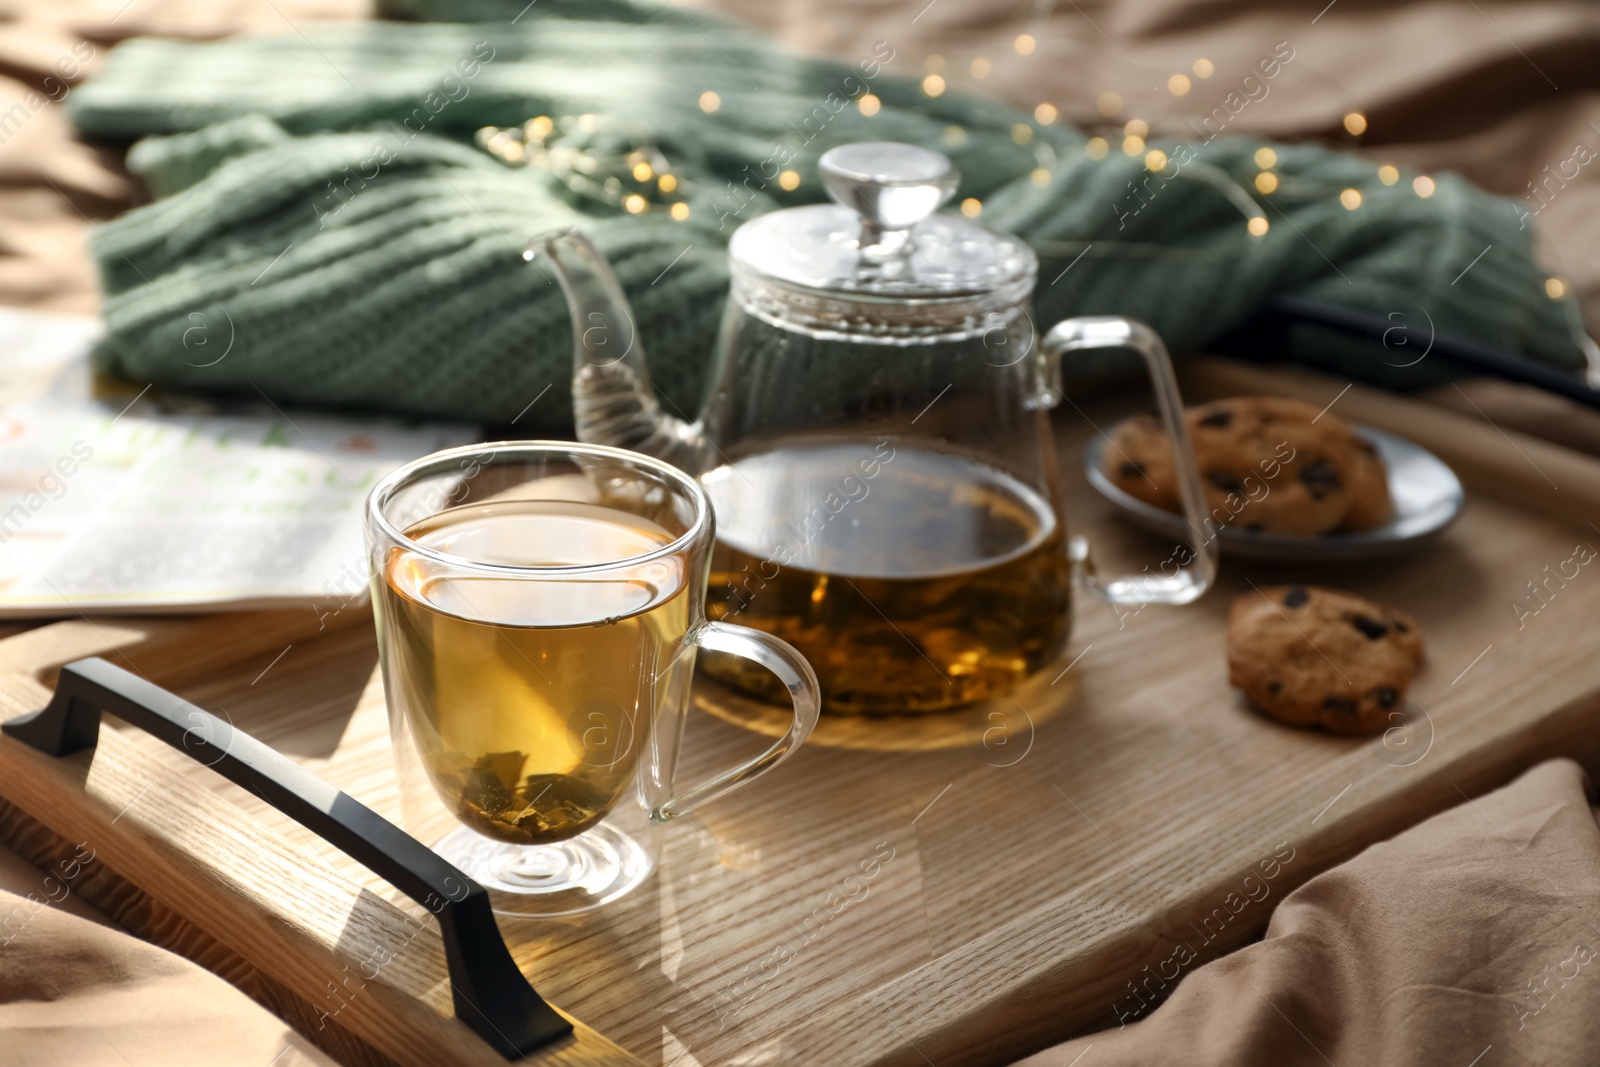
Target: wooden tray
[[964, 889]]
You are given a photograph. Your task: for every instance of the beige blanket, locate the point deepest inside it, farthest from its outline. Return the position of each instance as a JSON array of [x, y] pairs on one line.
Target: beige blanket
[[1472, 939], [76, 991]]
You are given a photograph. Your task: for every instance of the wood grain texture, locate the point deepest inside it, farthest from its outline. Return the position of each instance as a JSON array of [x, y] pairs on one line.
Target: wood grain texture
[[965, 891]]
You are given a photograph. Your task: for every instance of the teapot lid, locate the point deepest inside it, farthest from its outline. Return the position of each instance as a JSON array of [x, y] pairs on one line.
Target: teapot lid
[[858, 264]]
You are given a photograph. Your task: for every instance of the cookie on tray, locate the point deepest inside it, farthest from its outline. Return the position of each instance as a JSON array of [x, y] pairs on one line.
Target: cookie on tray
[[1319, 657]]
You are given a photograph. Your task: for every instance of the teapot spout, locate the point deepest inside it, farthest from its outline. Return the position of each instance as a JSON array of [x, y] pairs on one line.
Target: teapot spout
[[613, 401]]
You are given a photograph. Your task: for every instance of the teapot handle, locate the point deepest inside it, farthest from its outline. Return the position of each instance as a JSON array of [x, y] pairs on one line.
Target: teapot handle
[[1192, 567]]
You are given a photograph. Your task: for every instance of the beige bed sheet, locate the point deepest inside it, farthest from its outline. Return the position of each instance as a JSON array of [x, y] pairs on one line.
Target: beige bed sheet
[[1470, 940]]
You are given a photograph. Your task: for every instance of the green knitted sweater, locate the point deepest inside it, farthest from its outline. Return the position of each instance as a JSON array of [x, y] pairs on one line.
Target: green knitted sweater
[[325, 231]]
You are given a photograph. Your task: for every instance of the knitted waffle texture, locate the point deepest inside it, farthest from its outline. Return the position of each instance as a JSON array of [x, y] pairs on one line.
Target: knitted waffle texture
[[326, 232]]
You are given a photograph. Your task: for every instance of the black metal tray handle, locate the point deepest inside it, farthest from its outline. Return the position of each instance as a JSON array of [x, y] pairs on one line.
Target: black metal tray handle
[[491, 995]]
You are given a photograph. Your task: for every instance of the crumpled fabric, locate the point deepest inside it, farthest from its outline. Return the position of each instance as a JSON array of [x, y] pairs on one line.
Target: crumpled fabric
[[1470, 940], [76, 990]]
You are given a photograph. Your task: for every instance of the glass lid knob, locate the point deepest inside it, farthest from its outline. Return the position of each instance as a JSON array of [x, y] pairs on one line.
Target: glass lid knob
[[891, 186], [881, 263]]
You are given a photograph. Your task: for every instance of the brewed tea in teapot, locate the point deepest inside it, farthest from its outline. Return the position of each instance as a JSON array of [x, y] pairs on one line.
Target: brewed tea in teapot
[[876, 439]]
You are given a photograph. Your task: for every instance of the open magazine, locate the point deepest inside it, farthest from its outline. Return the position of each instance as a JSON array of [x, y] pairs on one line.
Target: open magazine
[[119, 502]]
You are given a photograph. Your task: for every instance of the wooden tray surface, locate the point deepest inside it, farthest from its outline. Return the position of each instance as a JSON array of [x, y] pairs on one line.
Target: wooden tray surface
[[964, 889]]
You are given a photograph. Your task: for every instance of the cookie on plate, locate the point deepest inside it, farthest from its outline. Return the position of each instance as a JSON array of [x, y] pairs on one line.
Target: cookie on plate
[[1319, 657], [1267, 466], [1139, 462], [1370, 504], [1266, 463]]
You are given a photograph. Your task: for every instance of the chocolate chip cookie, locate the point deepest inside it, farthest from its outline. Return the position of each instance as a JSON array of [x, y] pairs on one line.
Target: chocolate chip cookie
[[1370, 504], [1138, 461], [1267, 464], [1318, 657]]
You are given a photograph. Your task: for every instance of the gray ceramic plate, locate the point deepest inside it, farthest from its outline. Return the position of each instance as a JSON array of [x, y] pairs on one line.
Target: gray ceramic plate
[[1427, 498]]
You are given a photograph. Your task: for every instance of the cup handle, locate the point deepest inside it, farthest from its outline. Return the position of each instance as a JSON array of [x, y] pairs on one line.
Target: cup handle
[[793, 671], [1195, 574]]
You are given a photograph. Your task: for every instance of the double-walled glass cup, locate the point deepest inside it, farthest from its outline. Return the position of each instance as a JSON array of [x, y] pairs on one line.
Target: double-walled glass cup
[[539, 606]]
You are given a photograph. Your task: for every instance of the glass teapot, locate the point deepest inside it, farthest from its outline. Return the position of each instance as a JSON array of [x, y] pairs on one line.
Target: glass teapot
[[876, 440]]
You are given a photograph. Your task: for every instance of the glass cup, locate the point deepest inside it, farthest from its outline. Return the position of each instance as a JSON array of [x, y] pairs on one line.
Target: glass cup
[[539, 605]]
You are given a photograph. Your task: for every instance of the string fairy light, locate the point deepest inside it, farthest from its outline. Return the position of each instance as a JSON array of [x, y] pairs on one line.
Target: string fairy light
[[635, 180], [527, 145]]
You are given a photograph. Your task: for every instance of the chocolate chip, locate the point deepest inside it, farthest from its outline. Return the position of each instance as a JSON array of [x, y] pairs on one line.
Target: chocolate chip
[[1402, 627], [1219, 419], [1274, 687], [1339, 704], [1132, 470], [1385, 697], [1255, 527], [1224, 481], [1296, 596], [1371, 627], [1320, 477]]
